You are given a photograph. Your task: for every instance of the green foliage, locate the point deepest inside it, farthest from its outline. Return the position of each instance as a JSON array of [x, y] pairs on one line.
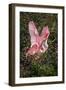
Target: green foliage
[[46, 65]]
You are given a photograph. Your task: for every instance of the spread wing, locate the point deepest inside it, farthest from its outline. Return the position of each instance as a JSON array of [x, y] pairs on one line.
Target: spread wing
[[44, 37], [45, 33], [33, 32]]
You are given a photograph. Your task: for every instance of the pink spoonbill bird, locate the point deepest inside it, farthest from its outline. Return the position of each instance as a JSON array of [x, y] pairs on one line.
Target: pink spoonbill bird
[[38, 42]]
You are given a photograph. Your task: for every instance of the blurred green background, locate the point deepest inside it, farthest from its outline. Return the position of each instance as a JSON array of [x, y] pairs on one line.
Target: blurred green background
[[47, 63]]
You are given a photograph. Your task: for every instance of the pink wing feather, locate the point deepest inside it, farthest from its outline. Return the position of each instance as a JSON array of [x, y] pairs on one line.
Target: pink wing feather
[[45, 33], [34, 35], [33, 32], [44, 37]]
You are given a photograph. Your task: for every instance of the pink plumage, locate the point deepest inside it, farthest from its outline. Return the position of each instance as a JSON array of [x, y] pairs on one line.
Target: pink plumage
[[38, 42]]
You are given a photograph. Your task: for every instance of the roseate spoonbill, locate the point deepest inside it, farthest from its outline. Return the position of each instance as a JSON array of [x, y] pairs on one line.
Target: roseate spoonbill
[[38, 42]]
